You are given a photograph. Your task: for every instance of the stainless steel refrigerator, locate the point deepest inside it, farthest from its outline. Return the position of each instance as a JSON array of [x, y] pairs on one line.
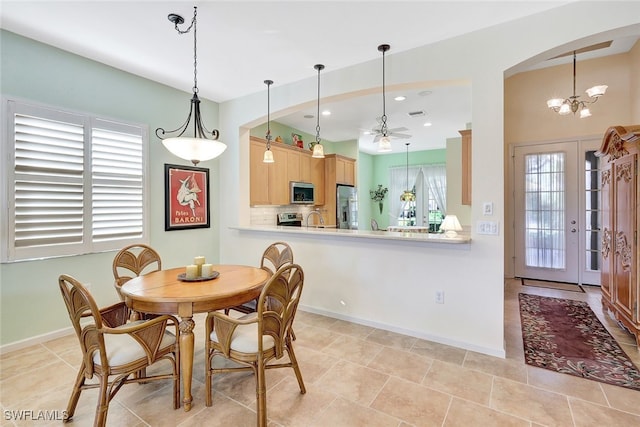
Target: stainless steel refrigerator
[[347, 207]]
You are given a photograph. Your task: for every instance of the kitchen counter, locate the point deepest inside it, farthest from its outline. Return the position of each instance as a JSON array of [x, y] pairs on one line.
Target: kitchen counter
[[436, 238]]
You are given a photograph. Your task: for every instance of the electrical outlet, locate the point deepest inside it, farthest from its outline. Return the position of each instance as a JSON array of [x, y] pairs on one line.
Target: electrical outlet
[[439, 297]]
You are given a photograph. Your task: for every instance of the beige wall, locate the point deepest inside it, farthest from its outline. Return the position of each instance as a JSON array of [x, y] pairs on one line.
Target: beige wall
[[527, 118]]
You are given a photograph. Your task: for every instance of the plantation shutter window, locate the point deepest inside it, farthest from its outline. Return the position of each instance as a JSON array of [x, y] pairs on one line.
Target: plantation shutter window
[[76, 183], [116, 183]]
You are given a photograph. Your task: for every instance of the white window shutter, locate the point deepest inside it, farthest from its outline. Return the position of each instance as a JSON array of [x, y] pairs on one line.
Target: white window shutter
[[48, 180], [117, 182]]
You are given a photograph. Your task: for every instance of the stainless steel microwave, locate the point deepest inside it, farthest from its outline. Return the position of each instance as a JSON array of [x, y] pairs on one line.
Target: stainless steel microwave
[[302, 193]]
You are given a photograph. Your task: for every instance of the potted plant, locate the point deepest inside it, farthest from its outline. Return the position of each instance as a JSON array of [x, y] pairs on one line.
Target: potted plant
[[378, 195]]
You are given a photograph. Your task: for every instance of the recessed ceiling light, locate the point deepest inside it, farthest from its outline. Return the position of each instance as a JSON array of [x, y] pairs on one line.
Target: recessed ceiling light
[[309, 116], [366, 132], [425, 93], [326, 113], [400, 98], [427, 124]]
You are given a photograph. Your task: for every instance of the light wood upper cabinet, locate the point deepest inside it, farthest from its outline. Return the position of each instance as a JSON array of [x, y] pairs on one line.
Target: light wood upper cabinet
[[345, 170], [306, 168], [279, 177], [293, 166], [466, 166], [318, 179], [269, 182], [259, 175]]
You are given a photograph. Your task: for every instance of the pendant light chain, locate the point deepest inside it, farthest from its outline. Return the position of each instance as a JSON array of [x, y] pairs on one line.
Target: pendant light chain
[[268, 136], [383, 128], [318, 67], [574, 74], [178, 20]]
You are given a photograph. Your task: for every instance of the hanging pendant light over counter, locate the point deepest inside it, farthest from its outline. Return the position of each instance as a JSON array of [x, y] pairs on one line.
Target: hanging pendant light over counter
[[203, 144], [318, 149], [384, 145], [407, 195], [268, 154]]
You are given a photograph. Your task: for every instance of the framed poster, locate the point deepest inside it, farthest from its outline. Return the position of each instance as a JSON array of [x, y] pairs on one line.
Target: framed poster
[[186, 197]]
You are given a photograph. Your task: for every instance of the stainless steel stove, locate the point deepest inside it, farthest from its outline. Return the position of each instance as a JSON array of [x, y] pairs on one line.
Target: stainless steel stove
[[292, 219]]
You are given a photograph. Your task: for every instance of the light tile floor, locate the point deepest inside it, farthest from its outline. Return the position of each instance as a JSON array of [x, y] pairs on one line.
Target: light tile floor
[[355, 376]]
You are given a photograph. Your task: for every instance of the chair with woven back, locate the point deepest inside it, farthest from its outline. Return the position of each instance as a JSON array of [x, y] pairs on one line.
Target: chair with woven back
[[132, 261], [255, 339], [115, 350], [275, 256]]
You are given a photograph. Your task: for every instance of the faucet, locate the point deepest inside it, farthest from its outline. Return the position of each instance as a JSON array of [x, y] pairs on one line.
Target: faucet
[[317, 212]]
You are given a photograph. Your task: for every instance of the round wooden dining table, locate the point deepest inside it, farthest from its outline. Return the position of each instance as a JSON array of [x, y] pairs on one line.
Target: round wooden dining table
[[162, 292]]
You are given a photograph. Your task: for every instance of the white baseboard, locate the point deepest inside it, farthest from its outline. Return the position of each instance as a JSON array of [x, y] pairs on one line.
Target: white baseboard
[[39, 339], [499, 352]]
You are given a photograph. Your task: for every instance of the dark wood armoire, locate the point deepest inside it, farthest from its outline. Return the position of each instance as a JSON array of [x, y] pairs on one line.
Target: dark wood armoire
[[620, 222]]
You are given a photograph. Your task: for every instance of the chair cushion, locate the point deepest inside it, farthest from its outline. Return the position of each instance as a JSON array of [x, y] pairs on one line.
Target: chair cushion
[[123, 348], [245, 337]]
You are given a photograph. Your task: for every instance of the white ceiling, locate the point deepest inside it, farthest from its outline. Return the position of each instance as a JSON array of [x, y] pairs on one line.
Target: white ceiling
[[241, 43]]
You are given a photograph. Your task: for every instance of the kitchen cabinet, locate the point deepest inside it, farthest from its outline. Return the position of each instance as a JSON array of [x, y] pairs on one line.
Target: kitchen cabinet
[[338, 170], [620, 193], [345, 170], [318, 179], [269, 182], [466, 166], [259, 175], [293, 166]]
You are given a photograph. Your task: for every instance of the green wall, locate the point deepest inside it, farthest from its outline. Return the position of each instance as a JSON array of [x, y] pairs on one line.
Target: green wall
[[380, 175], [34, 72]]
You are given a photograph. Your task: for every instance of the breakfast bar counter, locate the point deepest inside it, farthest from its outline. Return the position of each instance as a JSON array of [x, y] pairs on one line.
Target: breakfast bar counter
[[428, 238]]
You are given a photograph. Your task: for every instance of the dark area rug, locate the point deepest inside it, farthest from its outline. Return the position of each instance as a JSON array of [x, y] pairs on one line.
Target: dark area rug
[[566, 336]]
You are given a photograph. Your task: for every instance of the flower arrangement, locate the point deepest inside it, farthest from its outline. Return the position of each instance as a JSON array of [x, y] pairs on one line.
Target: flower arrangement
[[378, 194]]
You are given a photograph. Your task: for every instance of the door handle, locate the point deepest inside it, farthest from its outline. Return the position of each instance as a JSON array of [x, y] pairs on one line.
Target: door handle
[[573, 230]]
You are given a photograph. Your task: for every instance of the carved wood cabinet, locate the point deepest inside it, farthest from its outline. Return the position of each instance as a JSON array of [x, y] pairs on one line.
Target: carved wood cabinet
[[620, 284]]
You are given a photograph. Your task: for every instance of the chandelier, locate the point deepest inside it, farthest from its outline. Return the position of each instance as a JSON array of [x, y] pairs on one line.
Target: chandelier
[[202, 144], [573, 104]]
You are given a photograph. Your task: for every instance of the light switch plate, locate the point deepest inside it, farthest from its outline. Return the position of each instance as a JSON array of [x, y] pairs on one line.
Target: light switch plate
[[487, 208], [488, 227]]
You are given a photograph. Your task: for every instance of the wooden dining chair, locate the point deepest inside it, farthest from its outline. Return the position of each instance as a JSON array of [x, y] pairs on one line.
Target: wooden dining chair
[[132, 261], [114, 349], [275, 256], [255, 339]]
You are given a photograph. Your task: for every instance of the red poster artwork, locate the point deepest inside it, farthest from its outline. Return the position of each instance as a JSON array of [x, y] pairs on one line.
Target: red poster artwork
[[186, 197]]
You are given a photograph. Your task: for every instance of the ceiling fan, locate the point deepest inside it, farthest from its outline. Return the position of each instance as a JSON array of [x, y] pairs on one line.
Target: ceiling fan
[[394, 133]]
